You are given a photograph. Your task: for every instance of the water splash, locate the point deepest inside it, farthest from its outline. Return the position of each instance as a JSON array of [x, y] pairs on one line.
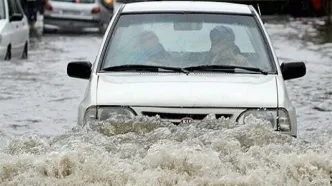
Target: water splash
[[149, 151]]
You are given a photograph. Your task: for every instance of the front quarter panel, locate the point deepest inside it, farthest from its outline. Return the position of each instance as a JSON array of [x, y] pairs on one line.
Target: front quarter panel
[[89, 98], [284, 102]]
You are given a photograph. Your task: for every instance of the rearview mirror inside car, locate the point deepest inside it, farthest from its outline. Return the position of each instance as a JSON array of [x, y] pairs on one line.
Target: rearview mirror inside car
[[187, 26], [293, 70], [16, 17], [79, 69]]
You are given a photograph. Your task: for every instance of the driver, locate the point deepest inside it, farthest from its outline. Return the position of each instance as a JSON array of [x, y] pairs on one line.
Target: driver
[[149, 48], [223, 49]]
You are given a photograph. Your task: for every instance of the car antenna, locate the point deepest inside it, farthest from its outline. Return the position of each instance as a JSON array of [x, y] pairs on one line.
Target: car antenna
[[259, 10]]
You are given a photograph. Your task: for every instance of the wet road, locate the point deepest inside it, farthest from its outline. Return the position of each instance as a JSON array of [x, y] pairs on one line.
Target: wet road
[[39, 102], [36, 95]]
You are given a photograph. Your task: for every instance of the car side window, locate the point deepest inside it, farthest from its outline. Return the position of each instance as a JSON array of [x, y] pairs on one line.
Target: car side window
[[11, 7], [19, 7], [14, 8]]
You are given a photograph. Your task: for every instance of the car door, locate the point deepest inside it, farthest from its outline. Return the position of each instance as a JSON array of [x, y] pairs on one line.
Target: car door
[[15, 37], [23, 27]]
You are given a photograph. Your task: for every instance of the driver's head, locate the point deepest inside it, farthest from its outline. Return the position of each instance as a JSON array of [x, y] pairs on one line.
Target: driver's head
[[148, 39], [221, 38]]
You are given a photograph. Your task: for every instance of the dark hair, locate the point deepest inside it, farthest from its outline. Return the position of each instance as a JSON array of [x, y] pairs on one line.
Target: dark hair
[[221, 33]]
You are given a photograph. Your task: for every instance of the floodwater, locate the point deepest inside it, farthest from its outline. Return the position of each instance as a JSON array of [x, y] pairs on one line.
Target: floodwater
[[40, 145]]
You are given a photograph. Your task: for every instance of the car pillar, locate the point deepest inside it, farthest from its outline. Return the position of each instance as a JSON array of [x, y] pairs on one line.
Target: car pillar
[[329, 12]]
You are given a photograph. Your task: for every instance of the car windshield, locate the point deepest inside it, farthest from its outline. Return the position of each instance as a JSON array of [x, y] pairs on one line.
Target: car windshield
[[187, 40], [2, 9]]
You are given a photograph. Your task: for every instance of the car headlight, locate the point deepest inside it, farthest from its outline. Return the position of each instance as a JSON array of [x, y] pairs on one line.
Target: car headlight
[[278, 118], [103, 113]]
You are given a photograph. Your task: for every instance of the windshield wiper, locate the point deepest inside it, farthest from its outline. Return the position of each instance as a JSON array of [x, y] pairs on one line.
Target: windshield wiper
[[223, 68], [149, 68]]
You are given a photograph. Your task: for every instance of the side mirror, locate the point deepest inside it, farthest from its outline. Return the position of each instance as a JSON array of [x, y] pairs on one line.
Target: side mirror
[[79, 69], [293, 70], [16, 17]]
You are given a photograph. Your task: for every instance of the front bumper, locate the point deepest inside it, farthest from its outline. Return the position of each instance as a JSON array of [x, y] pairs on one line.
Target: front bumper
[[70, 23], [278, 121]]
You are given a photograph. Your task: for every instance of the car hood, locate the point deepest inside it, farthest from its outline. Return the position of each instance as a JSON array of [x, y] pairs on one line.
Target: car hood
[[181, 90]]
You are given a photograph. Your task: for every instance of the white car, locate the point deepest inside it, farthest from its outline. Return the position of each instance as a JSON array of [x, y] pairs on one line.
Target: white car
[[77, 14], [14, 30], [185, 60]]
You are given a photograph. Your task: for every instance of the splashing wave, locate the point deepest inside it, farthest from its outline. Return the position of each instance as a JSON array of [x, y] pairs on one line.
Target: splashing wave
[[149, 151]]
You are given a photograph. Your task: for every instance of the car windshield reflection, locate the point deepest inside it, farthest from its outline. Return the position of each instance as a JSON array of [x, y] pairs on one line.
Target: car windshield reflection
[[182, 40]]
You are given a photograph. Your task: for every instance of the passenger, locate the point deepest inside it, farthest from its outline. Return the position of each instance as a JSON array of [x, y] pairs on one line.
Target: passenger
[[149, 49], [151, 45], [223, 48]]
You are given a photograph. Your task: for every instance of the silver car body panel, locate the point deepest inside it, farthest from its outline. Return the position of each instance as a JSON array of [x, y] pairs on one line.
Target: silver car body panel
[[196, 93]]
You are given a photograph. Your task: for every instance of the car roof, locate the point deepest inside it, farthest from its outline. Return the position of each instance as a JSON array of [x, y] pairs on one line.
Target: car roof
[[183, 6]]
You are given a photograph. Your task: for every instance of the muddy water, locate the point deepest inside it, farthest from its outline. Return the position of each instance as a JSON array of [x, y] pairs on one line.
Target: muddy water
[[39, 146]]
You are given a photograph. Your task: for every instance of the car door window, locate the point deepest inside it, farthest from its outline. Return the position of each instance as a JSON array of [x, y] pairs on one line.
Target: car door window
[[2, 10], [19, 8], [14, 7], [11, 7]]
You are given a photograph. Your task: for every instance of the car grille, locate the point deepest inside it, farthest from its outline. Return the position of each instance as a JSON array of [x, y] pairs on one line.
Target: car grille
[[176, 114], [176, 117]]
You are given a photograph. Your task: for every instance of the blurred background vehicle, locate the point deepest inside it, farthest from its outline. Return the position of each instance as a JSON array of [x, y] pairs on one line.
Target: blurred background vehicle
[[77, 14], [14, 30]]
